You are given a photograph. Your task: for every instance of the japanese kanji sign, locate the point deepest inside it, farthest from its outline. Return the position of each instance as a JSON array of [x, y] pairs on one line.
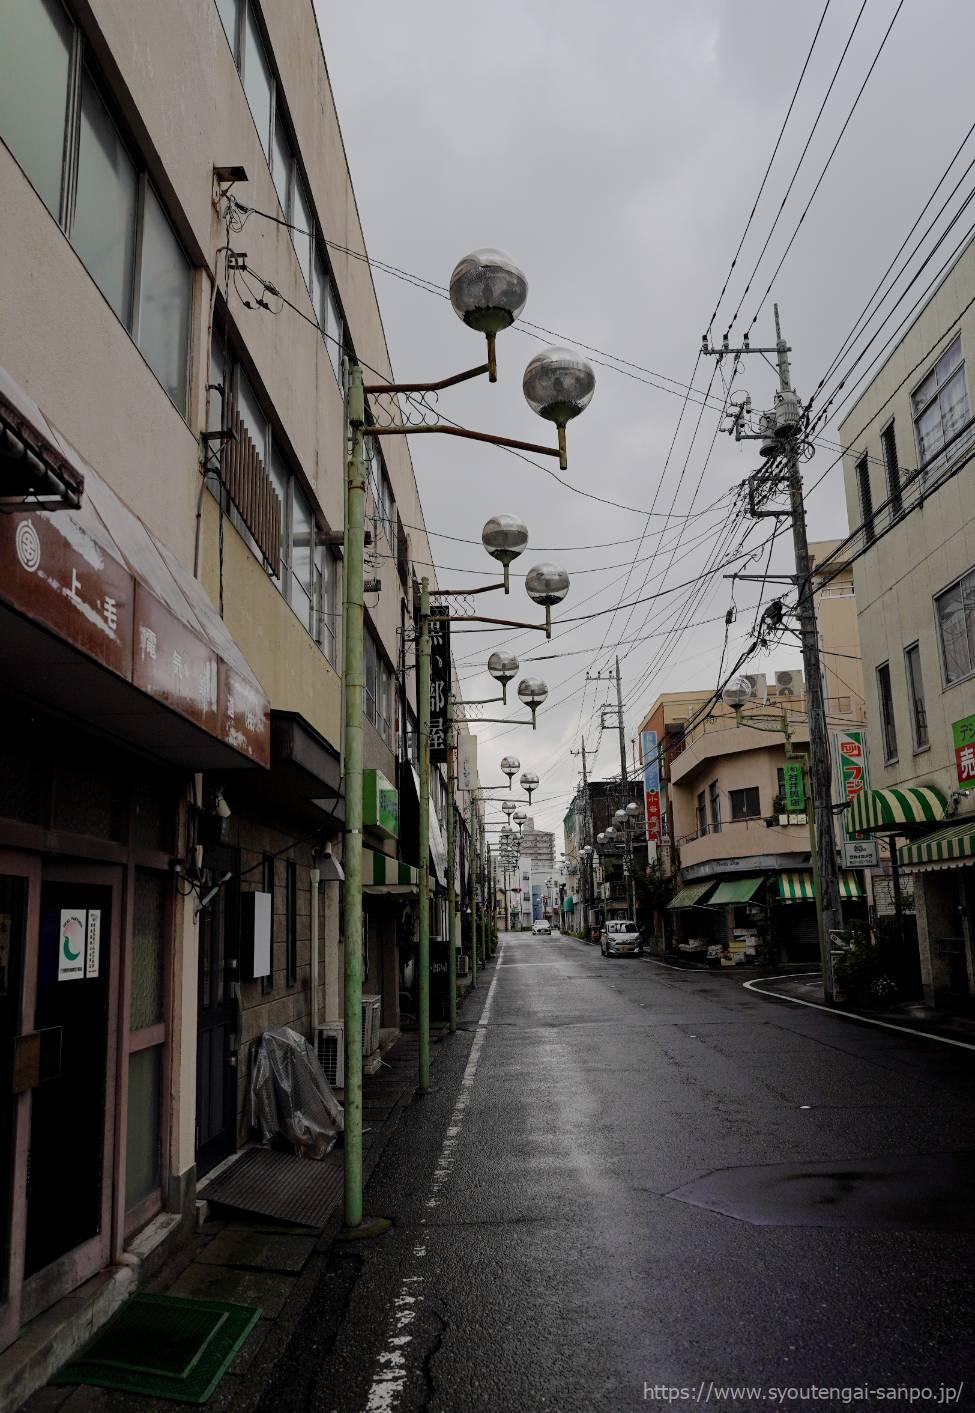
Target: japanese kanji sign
[[852, 778], [439, 688], [964, 736], [651, 784], [793, 787]]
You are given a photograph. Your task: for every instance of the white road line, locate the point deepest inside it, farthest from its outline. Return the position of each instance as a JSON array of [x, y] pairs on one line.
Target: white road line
[[389, 1379], [849, 1015]]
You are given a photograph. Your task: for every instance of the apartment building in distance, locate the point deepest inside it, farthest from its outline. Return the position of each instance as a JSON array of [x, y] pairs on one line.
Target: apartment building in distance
[[172, 461], [907, 476]]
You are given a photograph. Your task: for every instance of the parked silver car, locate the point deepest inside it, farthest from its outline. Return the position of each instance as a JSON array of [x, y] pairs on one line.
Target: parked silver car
[[621, 938]]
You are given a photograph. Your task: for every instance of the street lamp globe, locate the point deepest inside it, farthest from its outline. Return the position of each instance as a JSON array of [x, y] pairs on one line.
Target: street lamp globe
[[601, 837], [508, 807], [520, 818], [558, 384], [504, 537], [532, 691], [487, 290], [510, 765], [619, 817], [503, 667], [529, 782], [632, 809], [547, 584]]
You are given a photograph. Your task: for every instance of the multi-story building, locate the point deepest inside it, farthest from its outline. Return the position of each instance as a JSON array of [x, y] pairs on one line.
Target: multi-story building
[[737, 852], [172, 463], [909, 436], [538, 844]]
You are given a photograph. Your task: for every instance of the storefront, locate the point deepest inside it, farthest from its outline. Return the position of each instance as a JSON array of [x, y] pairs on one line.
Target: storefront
[[119, 685], [941, 866]]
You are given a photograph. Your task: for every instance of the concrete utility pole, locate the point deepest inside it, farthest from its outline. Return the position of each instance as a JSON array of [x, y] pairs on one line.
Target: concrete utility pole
[[619, 713], [780, 433], [586, 873]]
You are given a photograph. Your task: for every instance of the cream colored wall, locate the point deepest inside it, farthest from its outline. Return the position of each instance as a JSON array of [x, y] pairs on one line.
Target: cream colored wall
[[924, 553]]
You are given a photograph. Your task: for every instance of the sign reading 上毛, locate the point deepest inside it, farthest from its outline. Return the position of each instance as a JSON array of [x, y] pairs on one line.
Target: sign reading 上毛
[[963, 733], [793, 787]]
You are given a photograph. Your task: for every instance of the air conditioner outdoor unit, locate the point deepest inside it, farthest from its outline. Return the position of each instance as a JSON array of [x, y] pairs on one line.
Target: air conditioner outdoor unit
[[759, 686], [463, 965], [330, 1049], [788, 684], [371, 1006]]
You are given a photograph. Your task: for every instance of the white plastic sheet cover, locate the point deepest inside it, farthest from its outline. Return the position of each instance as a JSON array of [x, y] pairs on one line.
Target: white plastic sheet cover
[[291, 1100]]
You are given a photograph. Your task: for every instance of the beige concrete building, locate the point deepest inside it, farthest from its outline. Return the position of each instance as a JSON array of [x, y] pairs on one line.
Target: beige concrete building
[[738, 854], [173, 449], [909, 434]]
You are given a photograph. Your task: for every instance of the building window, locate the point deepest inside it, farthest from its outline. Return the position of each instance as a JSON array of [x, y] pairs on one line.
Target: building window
[[866, 499], [291, 923], [955, 610], [887, 723], [267, 886], [85, 173], [889, 443], [940, 410], [256, 76], [378, 689], [702, 815], [744, 803], [714, 796], [915, 689]]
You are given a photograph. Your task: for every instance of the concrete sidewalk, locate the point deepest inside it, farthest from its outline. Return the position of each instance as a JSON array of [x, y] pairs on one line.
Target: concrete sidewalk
[[258, 1262]]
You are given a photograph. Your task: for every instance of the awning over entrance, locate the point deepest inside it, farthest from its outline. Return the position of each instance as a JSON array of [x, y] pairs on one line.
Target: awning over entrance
[[384, 875], [885, 809], [796, 887], [948, 848], [690, 896], [735, 890], [99, 618], [36, 465]]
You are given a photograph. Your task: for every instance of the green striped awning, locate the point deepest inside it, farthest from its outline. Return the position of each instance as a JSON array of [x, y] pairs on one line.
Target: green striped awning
[[383, 874], [796, 887], [947, 848], [885, 809], [735, 890], [690, 896]]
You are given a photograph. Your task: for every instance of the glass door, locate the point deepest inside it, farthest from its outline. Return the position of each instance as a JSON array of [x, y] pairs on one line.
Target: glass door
[[70, 1171], [19, 889]]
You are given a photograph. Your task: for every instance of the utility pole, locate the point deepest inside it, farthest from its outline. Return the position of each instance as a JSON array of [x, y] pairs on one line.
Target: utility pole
[[780, 432], [423, 958], [619, 722], [472, 883], [586, 835]]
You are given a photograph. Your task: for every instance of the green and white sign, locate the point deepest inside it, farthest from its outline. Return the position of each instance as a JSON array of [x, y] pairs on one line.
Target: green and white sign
[[380, 804], [794, 787]]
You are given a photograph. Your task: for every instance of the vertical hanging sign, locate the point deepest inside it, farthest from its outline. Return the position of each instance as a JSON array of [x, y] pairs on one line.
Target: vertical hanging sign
[[651, 784], [852, 778], [439, 689]]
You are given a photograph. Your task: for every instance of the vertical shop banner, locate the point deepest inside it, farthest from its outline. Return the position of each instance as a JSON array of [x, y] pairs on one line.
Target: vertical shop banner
[[963, 734], [794, 787], [651, 784], [439, 689], [852, 778]]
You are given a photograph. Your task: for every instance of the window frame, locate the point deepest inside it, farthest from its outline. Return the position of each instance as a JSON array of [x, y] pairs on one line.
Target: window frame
[[892, 469], [701, 814], [934, 469], [714, 803], [946, 681], [888, 721], [916, 698], [745, 790], [865, 494]]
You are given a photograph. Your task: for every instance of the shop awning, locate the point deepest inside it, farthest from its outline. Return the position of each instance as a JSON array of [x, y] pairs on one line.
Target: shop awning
[[796, 887], [885, 809], [97, 616], [735, 890], [690, 896], [37, 467], [947, 848], [382, 874]]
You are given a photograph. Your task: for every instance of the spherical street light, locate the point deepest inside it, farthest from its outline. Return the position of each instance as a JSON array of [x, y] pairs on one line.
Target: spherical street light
[[558, 384], [532, 691], [519, 818], [601, 837], [619, 817], [508, 807], [502, 667], [529, 782], [632, 809], [547, 584], [510, 765], [505, 537], [487, 290]]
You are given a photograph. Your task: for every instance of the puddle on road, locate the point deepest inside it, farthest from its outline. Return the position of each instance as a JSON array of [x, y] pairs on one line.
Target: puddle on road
[[930, 1192]]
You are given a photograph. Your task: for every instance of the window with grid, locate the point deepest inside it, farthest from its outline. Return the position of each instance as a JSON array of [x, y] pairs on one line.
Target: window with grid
[[714, 797], [955, 612], [889, 443], [866, 499], [888, 724], [744, 803], [93, 182], [940, 410], [702, 814], [915, 692]]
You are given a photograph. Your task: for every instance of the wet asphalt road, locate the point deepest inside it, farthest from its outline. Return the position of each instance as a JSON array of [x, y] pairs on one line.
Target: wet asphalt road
[[628, 1177]]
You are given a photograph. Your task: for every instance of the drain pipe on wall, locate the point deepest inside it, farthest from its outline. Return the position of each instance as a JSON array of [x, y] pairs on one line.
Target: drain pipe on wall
[[315, 876]]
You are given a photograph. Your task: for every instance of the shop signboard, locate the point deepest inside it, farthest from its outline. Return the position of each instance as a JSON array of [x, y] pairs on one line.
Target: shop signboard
[[852, 778], [651, 784], [963, 733], [380, 803], [793, 787], [439, 689]]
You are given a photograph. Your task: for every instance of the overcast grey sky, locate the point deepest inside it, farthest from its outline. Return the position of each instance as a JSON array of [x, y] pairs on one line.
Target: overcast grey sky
[[615, 151]]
